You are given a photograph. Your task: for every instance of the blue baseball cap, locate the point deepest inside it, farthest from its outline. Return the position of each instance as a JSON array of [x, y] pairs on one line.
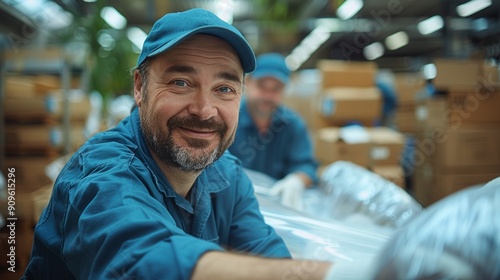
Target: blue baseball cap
[[173, 28], [272, 65]]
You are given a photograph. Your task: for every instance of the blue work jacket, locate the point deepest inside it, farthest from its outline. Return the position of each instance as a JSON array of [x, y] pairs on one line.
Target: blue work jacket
[[285, 147], [114, 215]]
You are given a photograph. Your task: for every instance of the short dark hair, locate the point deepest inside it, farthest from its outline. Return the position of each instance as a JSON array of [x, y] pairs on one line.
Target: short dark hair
[[143, 70]]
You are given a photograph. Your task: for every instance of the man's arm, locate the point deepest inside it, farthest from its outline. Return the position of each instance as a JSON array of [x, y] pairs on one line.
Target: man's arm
[[223, 265], [301, 159], [116, 229]]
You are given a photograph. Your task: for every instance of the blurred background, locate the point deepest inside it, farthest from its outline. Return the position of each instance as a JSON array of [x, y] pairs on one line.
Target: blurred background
[[408, 90]]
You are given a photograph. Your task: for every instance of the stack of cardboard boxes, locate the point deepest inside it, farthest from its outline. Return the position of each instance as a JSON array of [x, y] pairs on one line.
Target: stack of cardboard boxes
[[347, 93], [34, 134], [407, 87], [34, 137], [458, 130]]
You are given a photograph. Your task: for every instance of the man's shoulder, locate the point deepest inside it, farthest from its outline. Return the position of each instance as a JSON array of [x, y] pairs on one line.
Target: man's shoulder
[[228, 161], [114, 146]]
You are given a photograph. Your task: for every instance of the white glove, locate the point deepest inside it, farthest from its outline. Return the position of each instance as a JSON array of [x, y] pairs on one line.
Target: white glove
[[291, 189]]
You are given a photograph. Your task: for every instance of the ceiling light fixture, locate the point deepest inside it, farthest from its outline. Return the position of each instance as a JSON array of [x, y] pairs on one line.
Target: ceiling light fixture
[[112, 17], [307, 47], [373, 51], [429, 71], [397, 40], [349, 8], [430, 25], [136, 36], [472, 7]]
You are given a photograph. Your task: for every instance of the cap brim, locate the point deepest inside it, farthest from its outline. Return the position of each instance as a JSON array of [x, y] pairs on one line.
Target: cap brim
[[239, 44]]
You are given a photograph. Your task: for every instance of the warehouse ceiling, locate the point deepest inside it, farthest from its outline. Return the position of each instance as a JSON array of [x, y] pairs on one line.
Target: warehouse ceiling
[[278, 25]]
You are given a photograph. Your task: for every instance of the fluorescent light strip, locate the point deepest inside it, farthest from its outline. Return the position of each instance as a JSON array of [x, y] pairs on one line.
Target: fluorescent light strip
[[113, 18], [349, 9], [373, 51], [307, 47], [429, 71], [397, 40], [136, 36], [472, 7], [430, 25]]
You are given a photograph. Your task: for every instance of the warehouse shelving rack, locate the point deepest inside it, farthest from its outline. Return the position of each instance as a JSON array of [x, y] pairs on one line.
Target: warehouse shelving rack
[[49, 61]]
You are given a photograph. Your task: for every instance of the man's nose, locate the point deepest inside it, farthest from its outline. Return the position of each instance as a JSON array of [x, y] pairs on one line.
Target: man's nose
[[202, 106]]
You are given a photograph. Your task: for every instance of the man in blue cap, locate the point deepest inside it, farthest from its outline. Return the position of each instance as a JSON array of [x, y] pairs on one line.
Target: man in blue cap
[[157, 197], [271, 138]]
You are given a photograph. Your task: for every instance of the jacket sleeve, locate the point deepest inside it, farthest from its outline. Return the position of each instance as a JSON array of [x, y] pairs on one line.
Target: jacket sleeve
[[249, 232], [115, 229], [301, 157]]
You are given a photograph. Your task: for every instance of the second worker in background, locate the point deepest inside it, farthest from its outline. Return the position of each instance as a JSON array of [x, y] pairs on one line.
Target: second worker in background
[[272, 138]]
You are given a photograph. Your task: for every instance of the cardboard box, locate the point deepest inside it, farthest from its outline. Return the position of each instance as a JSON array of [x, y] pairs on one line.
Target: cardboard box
[[331, 146], [459, 108], [26, 86], [422, 184], [433, 183], [342, 104], [393, 173], [387, 146], [490, 74], [306, 107], [457, 74], [47, 108], [432, 113], [406, 86], [339, 73], [30, 171], [480, 106], [23, 139], [405, 118], [466, 146], [449, 182]]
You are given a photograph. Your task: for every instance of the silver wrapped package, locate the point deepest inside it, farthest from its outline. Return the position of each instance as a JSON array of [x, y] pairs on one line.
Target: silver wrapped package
[[352, 190], [455, 238]]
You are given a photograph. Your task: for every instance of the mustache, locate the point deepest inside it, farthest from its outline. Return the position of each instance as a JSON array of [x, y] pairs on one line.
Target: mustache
[[193, 122]]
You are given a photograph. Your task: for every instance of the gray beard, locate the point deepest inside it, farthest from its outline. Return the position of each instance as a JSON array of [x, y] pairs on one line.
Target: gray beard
[[182, 157]]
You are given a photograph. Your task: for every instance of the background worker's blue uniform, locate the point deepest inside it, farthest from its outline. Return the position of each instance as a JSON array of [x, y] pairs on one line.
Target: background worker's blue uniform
[[285, 148], [113, 214]]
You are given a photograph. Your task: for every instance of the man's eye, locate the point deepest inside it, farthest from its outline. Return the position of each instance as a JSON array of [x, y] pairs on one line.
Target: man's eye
[[179, 83], [226, 89]]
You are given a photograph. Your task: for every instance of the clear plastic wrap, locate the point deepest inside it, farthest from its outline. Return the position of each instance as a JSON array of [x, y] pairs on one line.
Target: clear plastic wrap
[[309, 236], [455, 238], [353, 190]]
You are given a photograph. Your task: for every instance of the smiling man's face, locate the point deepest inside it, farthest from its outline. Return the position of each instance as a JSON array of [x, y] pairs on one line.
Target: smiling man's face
[[190, 103]]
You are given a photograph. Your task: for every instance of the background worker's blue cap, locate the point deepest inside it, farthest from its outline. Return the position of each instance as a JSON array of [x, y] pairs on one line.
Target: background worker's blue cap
[[272, 65], [173, 28]]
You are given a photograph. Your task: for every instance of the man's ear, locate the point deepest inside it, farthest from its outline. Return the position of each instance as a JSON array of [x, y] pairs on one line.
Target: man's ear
[[137, 88]]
